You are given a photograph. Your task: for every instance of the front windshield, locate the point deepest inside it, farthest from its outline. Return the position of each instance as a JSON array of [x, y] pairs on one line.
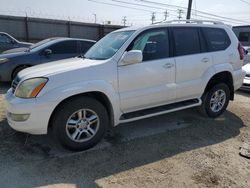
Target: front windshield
[[108, 46]]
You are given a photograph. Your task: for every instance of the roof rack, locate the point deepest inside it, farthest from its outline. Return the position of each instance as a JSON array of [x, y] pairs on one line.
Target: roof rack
[[191, 21]]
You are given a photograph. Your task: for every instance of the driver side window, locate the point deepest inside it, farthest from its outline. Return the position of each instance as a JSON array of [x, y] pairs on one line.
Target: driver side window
[[154, 44]]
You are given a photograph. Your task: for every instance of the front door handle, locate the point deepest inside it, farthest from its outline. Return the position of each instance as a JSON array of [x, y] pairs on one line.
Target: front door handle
[[168, 65]]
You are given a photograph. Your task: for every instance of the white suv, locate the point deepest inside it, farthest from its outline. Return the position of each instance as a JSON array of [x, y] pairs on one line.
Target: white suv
[[130, 74]]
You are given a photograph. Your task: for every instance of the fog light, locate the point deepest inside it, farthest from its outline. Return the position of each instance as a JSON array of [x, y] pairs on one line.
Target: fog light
[[18, 117]]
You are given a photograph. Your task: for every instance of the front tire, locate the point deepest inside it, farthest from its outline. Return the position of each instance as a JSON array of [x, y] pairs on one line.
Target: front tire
[[80, 123], [215, 101]]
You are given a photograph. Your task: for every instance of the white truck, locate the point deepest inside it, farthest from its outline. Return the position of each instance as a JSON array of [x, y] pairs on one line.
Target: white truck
[[130, 74]]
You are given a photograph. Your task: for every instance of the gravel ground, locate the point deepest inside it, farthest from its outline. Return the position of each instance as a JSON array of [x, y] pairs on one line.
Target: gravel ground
[[180, 149]]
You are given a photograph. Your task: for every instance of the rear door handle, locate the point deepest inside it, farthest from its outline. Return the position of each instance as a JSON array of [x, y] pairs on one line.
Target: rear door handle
[[205, 60], [168, 65]]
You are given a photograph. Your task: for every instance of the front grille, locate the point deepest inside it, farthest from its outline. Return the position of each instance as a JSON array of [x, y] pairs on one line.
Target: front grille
[[15, 84]]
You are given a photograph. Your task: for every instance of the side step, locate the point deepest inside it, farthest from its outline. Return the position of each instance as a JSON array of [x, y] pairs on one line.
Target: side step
[[160, 110]]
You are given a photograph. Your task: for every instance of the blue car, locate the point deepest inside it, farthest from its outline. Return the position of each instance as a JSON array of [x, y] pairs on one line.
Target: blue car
[[52, 49]]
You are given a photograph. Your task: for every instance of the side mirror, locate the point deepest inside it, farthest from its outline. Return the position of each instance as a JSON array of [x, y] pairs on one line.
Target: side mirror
[[132, 57], [47, 52]]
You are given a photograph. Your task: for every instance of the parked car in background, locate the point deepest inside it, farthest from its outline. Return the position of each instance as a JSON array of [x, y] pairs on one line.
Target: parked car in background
[[8, 42], [130, 74], [246, 56], [243, 34], [246, 81], [48, 50]]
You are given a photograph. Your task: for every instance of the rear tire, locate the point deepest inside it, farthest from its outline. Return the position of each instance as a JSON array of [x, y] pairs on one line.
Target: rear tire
[[215, 101], [80, 123]]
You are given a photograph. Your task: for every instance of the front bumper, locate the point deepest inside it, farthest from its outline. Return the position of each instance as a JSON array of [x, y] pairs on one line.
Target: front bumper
[[39, 113]]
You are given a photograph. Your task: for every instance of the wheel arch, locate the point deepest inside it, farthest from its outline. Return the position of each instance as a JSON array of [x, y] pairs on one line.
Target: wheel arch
[[17, 67], [222, 77], [99, 96]]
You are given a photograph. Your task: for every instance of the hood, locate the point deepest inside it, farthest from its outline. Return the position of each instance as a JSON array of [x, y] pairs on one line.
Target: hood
[[57, 67], [15, 50], [13, 55], [246, 68]]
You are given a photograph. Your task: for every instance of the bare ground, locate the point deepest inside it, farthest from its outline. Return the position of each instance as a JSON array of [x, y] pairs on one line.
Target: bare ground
[[180, 149]]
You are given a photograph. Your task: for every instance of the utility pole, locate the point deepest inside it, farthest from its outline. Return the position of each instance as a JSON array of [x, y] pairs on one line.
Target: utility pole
[[180, 12], [166, 14], [95, 18], [124, 20], [189, 9], [153, 17]]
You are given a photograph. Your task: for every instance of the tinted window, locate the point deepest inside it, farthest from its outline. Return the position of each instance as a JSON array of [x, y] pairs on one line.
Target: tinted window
[[85, 46], [4, 38], [186, 41], [244, 36], [154, 44], [65, 47], [217, 39]]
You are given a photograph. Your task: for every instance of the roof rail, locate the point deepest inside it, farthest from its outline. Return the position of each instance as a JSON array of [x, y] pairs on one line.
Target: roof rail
[[191, 21]]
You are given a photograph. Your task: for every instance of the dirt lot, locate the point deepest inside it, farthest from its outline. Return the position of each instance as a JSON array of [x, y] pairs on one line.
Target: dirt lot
[[180, 149]]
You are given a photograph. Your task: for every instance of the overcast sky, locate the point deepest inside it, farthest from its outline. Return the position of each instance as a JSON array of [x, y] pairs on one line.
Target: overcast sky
[[237, 12]]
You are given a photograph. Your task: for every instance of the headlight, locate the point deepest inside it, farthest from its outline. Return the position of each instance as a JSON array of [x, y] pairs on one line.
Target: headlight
[[30, 88], [3, 60]]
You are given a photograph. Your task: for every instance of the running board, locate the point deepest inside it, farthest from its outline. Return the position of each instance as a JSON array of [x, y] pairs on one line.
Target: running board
[[141, 114]]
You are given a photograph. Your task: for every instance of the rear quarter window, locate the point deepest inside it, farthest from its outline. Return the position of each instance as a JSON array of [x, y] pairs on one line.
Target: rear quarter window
[[217, 39]]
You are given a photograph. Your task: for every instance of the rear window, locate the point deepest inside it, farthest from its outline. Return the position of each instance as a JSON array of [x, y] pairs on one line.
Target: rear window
[[217, 39], [244, 36], [186, 40]]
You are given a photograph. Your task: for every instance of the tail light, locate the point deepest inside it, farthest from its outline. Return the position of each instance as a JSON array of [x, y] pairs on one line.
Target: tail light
[[241, 52]]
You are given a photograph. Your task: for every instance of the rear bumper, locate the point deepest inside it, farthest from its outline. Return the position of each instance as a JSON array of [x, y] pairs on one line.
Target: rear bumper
[[238, 77]]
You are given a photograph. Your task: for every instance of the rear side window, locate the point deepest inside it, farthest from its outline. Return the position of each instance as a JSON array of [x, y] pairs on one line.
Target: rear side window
[[217, 39], [65, 47], [244, 36], [85, 46], [153, 43], [186, 41]]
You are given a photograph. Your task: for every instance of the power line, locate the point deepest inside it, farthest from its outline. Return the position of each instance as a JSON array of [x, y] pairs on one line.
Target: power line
[[142, 5], [245, 2], [111, 4], [181, 7]]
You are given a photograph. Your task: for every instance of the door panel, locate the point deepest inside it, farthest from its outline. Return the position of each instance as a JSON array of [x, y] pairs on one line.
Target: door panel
[[152, 82], [192, 61], [147, 84], [189, 72]]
